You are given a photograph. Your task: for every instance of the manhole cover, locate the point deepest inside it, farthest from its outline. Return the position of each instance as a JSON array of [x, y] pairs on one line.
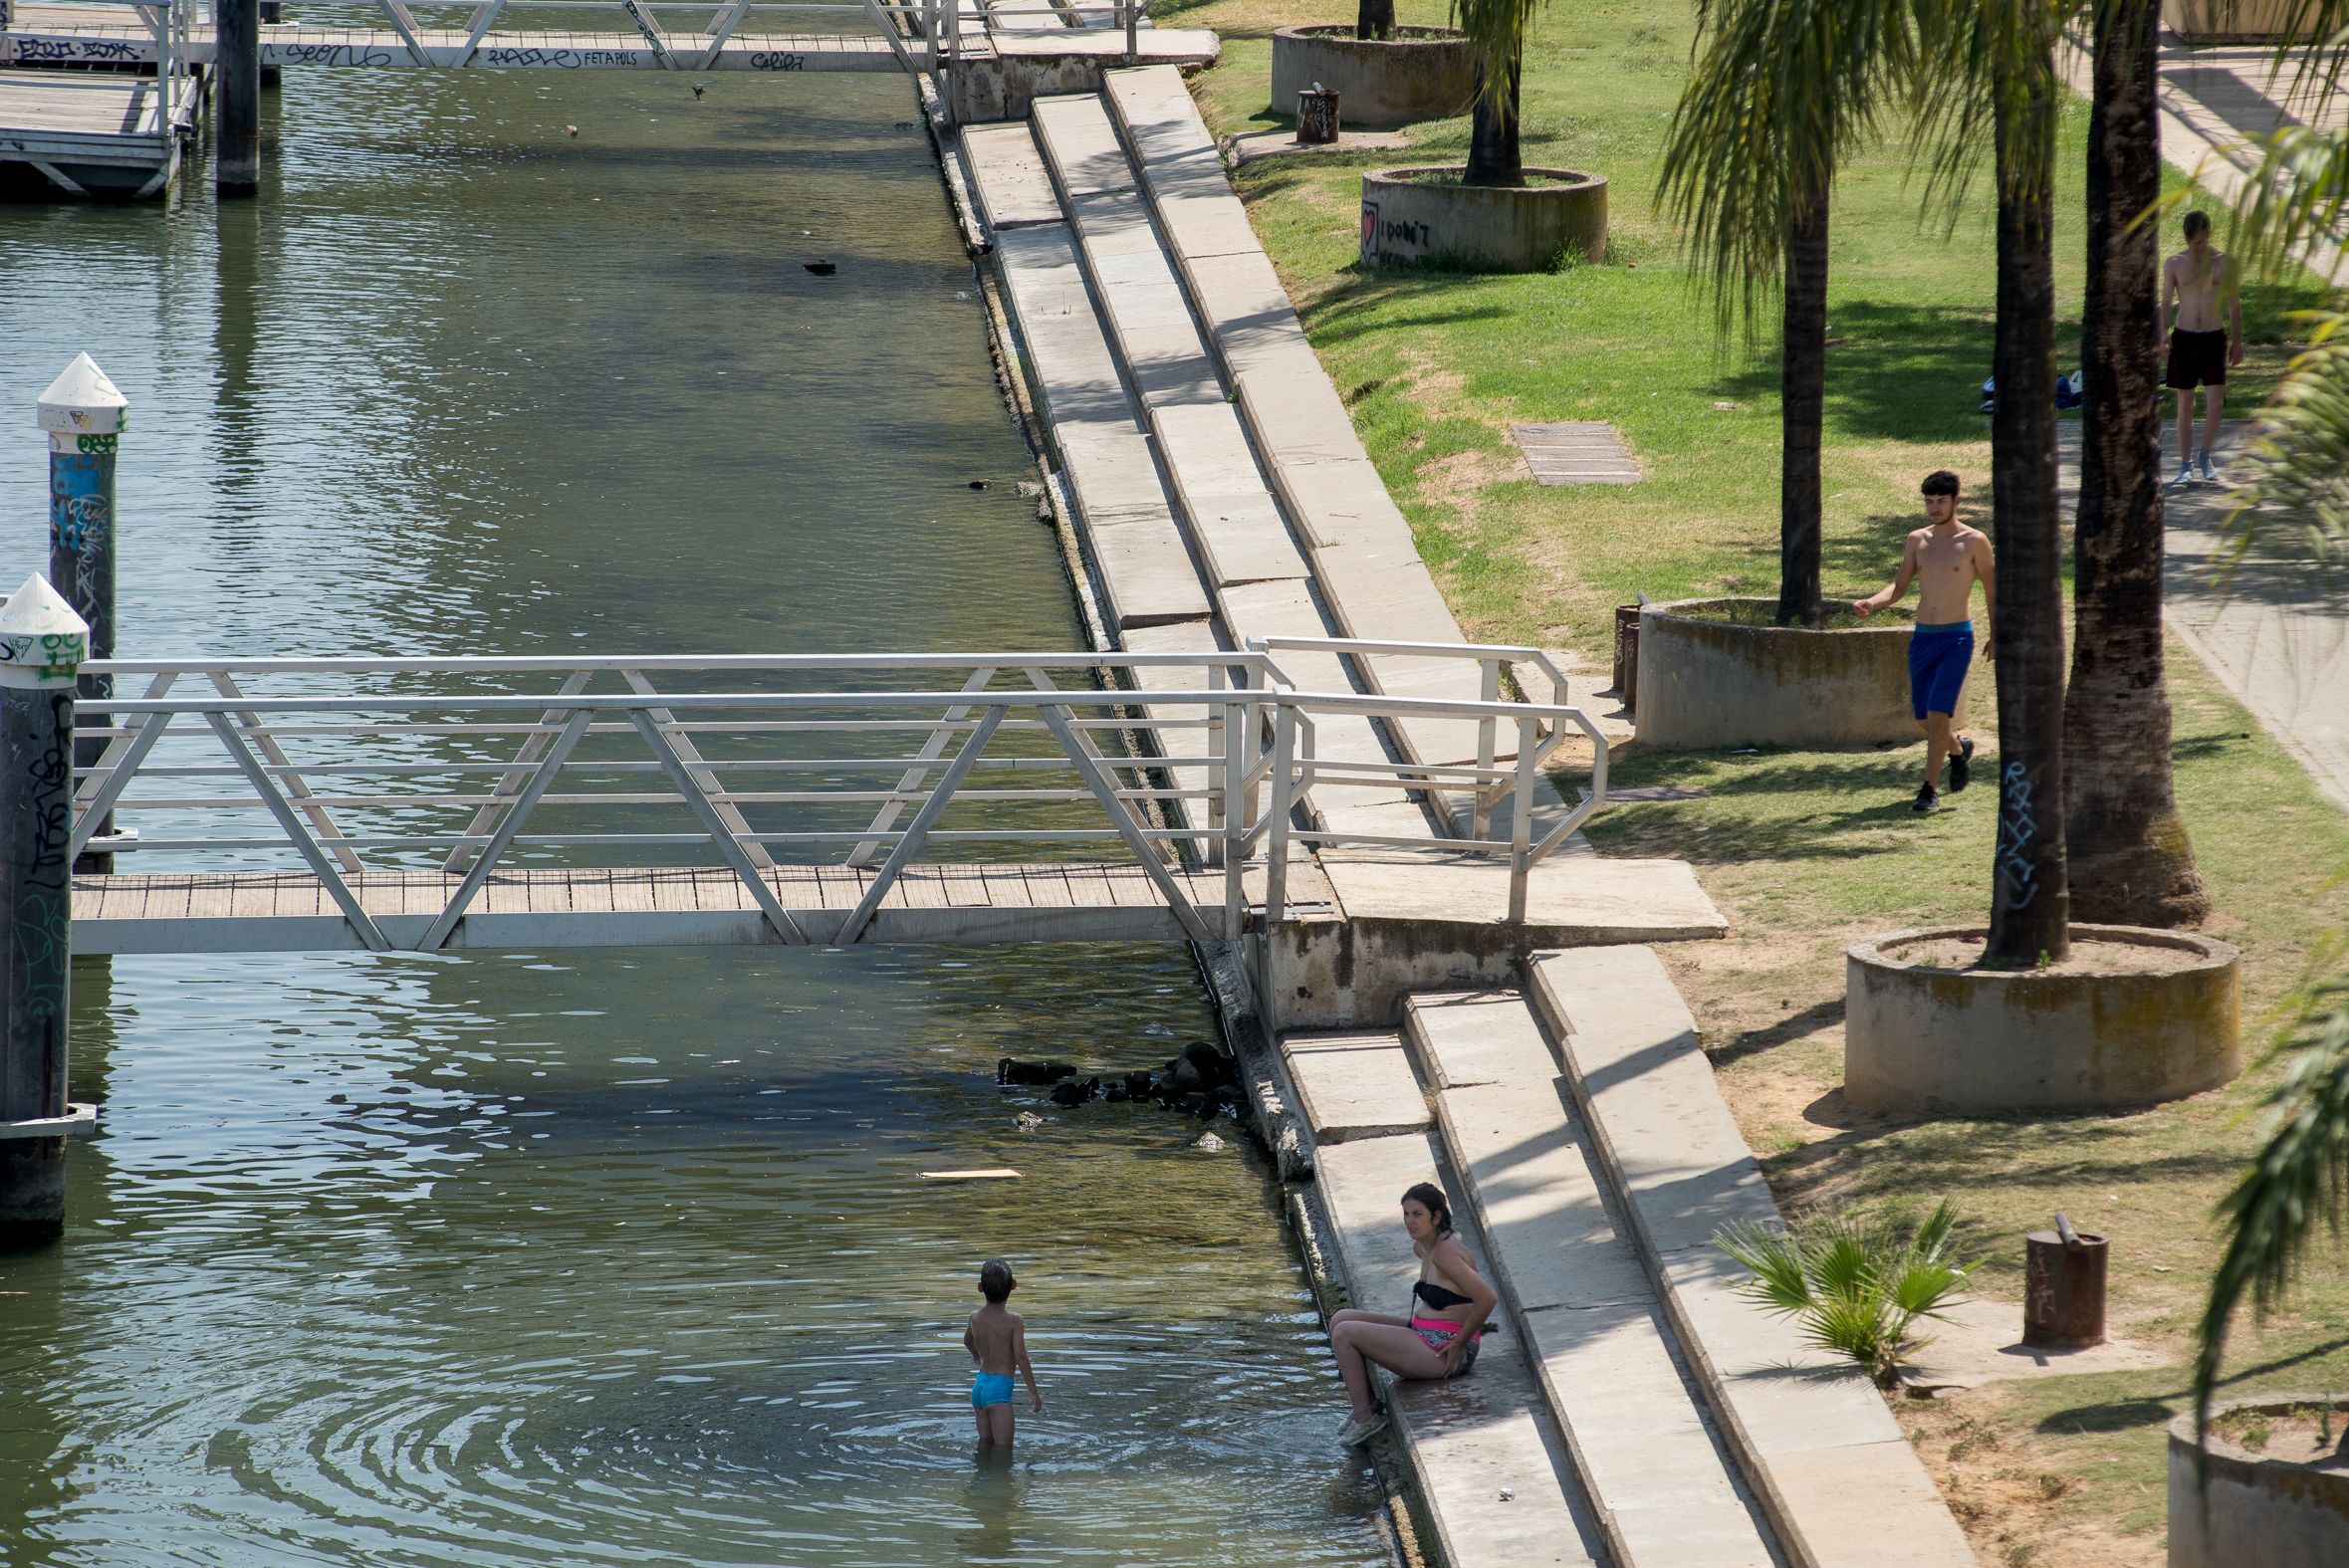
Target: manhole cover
[[1576, 452]]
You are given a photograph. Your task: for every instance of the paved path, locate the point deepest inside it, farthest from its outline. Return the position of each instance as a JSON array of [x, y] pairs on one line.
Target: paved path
[[2273, 632], [2213, 101]]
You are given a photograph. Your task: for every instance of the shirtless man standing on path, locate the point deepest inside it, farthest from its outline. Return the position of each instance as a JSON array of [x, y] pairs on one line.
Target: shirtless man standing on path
[[1945, 558], [2196, 284]]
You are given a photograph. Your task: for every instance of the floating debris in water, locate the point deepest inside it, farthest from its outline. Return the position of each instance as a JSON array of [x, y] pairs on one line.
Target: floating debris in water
[[999, 1173], [1207, 1143], [1027, 1121], [821, 267]]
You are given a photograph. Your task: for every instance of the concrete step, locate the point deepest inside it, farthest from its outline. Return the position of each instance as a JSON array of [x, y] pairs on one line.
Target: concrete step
[[1840, 1485], [1006, 173], [1481, 1448], [1174, 731], [1363, 553], [1135, 547], [1577, 1294], [1233, 519]]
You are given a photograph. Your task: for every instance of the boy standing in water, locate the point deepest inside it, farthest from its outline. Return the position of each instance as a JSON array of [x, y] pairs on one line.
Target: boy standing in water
[[2200, 285], [997, 1340], [1945, 558]]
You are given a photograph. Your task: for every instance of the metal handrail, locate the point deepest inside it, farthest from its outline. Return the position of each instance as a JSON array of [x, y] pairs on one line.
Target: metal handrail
[[339, 773]]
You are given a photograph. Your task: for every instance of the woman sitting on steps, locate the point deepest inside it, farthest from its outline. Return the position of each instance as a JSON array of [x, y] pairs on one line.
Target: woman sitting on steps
[[1448, 1306]]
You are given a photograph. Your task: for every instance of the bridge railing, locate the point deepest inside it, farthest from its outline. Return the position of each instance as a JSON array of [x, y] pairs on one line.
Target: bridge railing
[[460, 769]]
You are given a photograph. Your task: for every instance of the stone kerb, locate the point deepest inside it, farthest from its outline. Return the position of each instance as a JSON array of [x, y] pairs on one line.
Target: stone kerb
[[2251, 1512], [1706, 682], [2137, 1028], [1421, 74], [1424, 214]]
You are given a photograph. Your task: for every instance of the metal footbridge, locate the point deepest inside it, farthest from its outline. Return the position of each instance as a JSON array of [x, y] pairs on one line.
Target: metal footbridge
[[422, 804]]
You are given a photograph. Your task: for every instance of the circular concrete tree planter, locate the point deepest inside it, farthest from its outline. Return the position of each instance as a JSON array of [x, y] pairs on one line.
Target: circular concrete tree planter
[[2134, 1017], [1427, 215], [1422, 73], [1706, 682], [2257, 1511]]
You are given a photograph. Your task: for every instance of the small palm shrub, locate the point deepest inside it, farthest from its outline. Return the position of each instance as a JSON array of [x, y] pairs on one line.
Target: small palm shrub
[[1857, 1283]]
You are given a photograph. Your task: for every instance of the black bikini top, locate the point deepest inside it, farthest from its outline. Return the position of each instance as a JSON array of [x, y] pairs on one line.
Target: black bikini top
[[1437, 1297]]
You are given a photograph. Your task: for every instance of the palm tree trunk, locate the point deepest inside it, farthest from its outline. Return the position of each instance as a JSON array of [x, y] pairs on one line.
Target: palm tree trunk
[[1374, 19], [1802, 388], [2029, 901], [2131, 860], [1493, 157]]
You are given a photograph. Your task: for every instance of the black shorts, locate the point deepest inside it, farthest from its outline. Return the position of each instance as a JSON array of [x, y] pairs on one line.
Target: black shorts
[[2197, 360]]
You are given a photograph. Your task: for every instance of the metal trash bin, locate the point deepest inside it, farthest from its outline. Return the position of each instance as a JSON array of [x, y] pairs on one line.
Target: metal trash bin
[[1317, 116], [2063, 1287], [1627, 656]]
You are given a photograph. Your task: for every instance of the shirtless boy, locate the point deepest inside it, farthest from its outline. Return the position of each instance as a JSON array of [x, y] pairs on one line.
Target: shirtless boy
[[1945, 558], [997, 1339], [2196, 284]]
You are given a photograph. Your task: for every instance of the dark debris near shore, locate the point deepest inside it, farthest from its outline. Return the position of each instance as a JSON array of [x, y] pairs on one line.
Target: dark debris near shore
[[1201, 1082]]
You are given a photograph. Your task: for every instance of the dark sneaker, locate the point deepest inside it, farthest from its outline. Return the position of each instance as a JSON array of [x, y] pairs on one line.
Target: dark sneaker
[[1927, 799], [1961, 764]]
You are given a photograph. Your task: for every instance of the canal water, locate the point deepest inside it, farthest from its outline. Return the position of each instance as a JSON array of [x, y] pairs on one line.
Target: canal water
[[568, 1257]]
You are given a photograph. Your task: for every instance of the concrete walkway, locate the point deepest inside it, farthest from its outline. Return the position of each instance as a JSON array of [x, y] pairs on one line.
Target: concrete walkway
[[2272, 631], [2213, 102]]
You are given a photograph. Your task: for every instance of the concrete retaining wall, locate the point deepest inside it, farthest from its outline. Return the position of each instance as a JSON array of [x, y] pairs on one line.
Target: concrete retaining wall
[[1421, 74], [1424, 214], [1707, 684], [2255, 1512], [1926, 1041]]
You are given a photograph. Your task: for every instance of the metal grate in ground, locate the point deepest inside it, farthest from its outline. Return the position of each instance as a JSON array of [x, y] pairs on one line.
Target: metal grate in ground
[[1576, 452]]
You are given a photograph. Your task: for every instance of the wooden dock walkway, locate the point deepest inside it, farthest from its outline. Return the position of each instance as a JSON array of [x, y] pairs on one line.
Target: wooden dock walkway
[[92, 134], [268, 912]]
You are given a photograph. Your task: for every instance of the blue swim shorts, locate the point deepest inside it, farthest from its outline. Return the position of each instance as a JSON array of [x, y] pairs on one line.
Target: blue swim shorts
[[989, 1387], [1938, 657]]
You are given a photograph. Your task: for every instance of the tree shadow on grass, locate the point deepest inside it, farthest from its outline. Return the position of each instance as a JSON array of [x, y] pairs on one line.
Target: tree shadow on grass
[[2156, 1408], [1895, 372], [1862, 795], [1794, 1027]]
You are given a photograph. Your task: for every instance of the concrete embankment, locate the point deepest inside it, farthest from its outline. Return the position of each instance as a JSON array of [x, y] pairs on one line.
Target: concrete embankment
[[1629, 1407]]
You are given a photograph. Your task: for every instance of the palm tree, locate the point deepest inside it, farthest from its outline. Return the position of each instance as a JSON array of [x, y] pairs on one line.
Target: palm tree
[[2300, 482], [1995, 60], [1780, 93], [2131, 861], [1498, 27]]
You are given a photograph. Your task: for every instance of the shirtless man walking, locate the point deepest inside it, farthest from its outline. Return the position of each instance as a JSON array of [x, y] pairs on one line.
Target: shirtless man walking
[[2196, 284], [1945, 558]]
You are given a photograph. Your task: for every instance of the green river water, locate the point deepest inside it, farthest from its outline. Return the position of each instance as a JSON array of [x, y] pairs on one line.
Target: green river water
[[608, 1255]]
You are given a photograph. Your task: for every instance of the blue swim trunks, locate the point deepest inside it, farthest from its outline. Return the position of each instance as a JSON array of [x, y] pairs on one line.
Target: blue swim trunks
[[989, 1387], [1938, 657]]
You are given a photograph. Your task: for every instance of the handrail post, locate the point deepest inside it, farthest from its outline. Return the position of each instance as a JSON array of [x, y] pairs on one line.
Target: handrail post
[[1236, 718], [1520, 823], [1212, 843], [1277, 834], [1127, 16], [1489, 691]]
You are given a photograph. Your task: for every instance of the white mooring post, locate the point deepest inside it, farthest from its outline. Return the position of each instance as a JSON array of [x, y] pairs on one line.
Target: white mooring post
[[42, 645], [85, 416]]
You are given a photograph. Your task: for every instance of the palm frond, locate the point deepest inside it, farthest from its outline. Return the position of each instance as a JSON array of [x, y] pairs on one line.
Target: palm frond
[[1499, 28], [1856, 1284], [1780, 93], [2297, 474], [2298, 193], [2299, 1180]]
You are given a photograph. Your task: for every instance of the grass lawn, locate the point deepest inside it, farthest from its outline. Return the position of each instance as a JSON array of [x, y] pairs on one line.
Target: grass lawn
[[1806, 852], [1437, 365]]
